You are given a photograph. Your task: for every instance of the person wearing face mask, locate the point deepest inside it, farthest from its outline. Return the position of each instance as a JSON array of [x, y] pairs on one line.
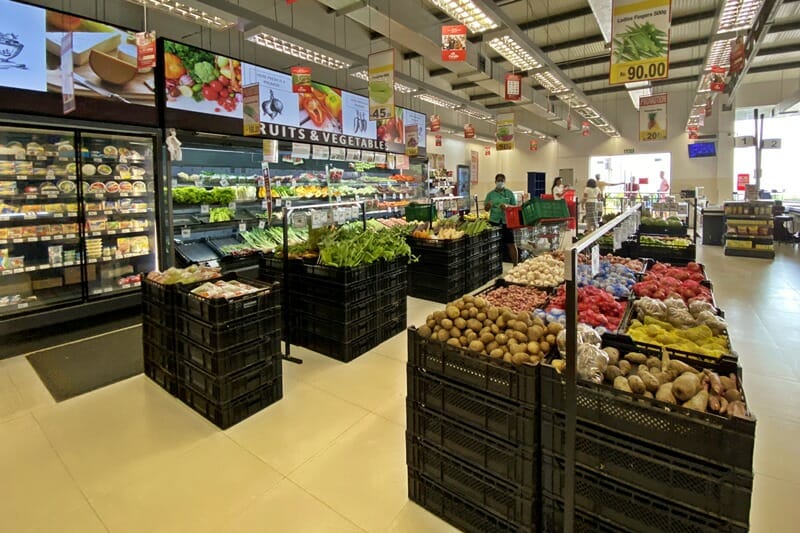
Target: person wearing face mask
[[496, 202]]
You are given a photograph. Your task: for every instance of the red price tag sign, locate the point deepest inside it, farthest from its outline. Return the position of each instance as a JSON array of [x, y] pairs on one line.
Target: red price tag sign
[[513, 87], [301, 79]]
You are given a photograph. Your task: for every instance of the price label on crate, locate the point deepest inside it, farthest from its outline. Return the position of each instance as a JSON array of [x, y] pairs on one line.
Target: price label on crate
[[595, 260], [339, 216], [242, 227], [204, 209], [232, 206], [262, 224], [265, 204], [617, 238], [288, 204], [186, 233], [278, 202], [299, 220]]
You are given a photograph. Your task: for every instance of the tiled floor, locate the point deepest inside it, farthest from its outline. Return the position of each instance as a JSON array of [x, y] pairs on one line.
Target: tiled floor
[[330, 456]]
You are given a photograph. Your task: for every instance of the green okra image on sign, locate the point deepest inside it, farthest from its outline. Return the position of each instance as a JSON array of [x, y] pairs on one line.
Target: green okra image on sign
[[640, 41]]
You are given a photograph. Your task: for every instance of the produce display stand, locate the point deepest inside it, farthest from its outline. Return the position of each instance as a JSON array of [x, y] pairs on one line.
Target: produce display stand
[[221, 357], [339, 312], [750, 231]]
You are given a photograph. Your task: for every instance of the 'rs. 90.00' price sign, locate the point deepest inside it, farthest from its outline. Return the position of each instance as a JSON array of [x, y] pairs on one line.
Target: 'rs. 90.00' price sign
[[639, 40]]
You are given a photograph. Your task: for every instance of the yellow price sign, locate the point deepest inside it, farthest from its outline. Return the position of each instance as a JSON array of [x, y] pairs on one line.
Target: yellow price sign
[[651, 69], [639, 40]]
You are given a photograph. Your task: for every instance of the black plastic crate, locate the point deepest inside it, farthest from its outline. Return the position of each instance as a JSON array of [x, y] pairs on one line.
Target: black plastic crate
[[392, 297], [673, 231], [393, 279], [161, 377], [392, 310], [676, 256], [161, 314], [505, 380], [508, 501], [340, 311], [221, 337], [442, 294], [344, 275], [713, 488], [454, 246], [456, 510], [230, 360], [509, 462], [326, 290], [165, 358], [342, 351], [165, 295], [630, 507], [393, 327], [223, 389], [511, 421], [161, 335], [552, 519], [265, 302], [713, 438], [228, 414], [328, 327]]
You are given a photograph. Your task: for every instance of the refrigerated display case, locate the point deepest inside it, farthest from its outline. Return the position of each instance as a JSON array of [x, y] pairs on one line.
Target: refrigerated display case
[[77, 218]]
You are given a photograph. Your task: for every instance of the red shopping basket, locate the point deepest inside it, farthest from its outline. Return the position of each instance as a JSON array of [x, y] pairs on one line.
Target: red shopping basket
[[513, 217]]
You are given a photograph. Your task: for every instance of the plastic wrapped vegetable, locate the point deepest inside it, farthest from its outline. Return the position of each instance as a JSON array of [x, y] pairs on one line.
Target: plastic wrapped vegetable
[[591, 363], [586, 335], [652, 307], [715, 323], [698, 306], [680, 317]]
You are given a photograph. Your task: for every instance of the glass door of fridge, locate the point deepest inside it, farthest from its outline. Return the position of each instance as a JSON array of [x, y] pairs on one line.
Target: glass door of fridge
[[40, 241], [118, 185]]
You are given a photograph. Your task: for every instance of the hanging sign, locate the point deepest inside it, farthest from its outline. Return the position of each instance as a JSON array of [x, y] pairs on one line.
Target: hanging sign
[[437, 140], [301, 151], [742, 180], [534, 145], [401, 162], [709, 106], [67, 81], [412, 139], [585, 128], [145, 51], [569, 120], [693, 132], [251, 114], [454, 43], [320, 152], [269, 148], [381, 84], [717, 79], [469, 131], [653, 118], [504, 133], [290, 2], [513, 87], [737, 56], [436, 123], [301, 79], [487, 151], [639, 40], [473, 166]]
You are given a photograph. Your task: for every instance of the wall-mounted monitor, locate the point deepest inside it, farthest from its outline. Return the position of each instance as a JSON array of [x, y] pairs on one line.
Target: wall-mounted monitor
[[702, 149]]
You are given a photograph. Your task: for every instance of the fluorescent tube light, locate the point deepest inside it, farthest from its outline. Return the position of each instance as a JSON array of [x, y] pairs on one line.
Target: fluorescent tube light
[[435, 100], [467, 13], [480, 115], [550, 82], [295, 50], [204, 16], [738, 15], [399, 87], [507, 47]]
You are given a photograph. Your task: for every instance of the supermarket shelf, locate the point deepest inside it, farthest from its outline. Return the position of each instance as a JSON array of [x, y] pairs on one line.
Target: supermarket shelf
[[54, 196], [33, 177], [752, 237], [118, 212], [750, 252], [38, 268], [108, 233], [45, 157], [43, 238], [118, 258], [729, 217], [5, 217], [103, 195], [114, 290]]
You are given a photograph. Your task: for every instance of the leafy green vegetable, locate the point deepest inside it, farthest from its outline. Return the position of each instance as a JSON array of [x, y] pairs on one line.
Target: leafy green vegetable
[[348, 247], [205, 72], [640, 41], [221, 214], [189, 56], [199, 195]]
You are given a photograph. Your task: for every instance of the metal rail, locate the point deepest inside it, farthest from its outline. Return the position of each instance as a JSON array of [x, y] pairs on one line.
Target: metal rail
[[571, 275]]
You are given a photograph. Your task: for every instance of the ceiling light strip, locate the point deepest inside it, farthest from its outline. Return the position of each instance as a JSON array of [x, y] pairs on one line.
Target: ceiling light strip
[[507, 47], [187, 12], [295, 50], [467, 13]]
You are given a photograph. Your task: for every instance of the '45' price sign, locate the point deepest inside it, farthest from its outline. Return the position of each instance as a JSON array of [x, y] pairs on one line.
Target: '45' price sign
[[381, 84], [640, 40]]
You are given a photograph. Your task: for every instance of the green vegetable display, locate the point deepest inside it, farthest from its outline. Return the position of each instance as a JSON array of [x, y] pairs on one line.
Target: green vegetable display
[[221, 214], [475, 227], [199, 195], [640, 41], [205, 72], [351, 248]]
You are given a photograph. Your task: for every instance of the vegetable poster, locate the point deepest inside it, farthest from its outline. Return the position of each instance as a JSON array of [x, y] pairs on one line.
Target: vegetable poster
[[639, 40], [454, 43], [505, 131], [653, 118], [381, 84]]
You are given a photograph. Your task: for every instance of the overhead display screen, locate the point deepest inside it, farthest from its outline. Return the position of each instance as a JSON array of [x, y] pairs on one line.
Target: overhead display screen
[[201, 82]]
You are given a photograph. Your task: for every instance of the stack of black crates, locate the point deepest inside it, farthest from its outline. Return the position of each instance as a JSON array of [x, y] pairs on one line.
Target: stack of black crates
[[472, 438], [449, 268], [226, 353], [341, 312]]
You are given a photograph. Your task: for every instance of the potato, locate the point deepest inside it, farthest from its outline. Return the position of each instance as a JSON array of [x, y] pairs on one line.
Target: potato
[[463, 340], [611, 373], [535, 359], [520, 357], [685, 387], [727, 383], [471, 335], [653, 362], [508, 314], [454, 342], [465, 313], [519, 348], [538, 321], [534, 348], [698, 402], [481, 316], [664, 394], [476, 346], [544, 346], [497, 353], [655, 370], [640, 369], [486, 337], [488, 323], [479, 302], [443, 335], [468, 299], [620, 383], [455, 332], [737, 409], [474, 325], [636, 384], [507, 358], [501, 322], [460, 323], [520, 326], [492, 313], [495, 329], [612, 353], [520, 337], [524, 316], [532, 334], [651, 382], [636, 357], [439, 315], [554, 328], [431, 323], [459, 303], [452, 312], [540, 331], [424, 331], [473, 312], [491, 346], [560, 365], [648, 394], [501, 338], [714, 403], [679, 366], [436, 328], [550, 338], [625, 366], [733, 395], [447, 323]]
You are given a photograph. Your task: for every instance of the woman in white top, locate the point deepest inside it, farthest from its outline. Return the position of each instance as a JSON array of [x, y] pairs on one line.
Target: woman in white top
[[591, 200], [558, 189]]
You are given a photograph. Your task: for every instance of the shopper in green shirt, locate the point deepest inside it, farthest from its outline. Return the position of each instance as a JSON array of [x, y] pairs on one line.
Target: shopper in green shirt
[[496, 202]]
